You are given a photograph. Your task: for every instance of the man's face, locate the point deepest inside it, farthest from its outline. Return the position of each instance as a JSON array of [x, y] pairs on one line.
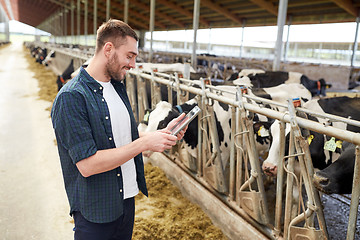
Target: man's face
[[122, 60]]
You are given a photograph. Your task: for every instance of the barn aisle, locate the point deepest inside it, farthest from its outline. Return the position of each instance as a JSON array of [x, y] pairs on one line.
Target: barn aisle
[[33, 203]]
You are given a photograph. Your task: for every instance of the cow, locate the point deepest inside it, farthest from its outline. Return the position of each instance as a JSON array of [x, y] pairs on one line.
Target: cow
[[38, 53], [322, 158], [65, 76], [259, 79], [338, 176], [164, 113]]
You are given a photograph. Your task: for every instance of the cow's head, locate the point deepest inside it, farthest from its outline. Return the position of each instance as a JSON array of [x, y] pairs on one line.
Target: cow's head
[[317, 88], [338, 176]]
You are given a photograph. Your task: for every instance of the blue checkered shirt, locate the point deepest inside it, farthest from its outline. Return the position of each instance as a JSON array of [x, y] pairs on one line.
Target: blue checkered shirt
[[81, 121]]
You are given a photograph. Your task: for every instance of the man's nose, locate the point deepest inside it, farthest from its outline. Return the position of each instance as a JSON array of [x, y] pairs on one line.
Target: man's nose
[[132, 63]]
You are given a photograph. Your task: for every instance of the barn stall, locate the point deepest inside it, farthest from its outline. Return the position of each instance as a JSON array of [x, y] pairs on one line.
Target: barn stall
[[269, 231]]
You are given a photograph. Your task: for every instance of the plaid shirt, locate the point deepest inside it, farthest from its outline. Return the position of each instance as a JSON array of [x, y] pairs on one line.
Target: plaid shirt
[[81, 121]]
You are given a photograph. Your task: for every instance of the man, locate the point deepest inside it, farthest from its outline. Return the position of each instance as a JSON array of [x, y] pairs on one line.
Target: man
[[99, 146]]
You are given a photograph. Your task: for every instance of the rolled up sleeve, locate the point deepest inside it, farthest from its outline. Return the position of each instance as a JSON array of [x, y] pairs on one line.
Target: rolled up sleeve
[[72, 126]]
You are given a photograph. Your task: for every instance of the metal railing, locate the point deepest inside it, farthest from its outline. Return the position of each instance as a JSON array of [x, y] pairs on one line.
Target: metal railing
[[238, 180]]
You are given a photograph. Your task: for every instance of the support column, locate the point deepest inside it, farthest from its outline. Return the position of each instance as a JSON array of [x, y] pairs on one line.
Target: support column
[[72, 22], [126, 10], [287, 39], [152, 22], [242, 38], [142, 39], [86, 21], [353, 58], [107, 9], [280, 24], [195, 27], [78, 22], [95, 19]]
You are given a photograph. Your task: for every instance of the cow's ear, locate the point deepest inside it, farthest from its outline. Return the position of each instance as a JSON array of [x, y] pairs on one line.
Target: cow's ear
[[257, 126]]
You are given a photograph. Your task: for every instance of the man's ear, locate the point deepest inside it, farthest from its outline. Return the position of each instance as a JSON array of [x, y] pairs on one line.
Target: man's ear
[[108, 47]]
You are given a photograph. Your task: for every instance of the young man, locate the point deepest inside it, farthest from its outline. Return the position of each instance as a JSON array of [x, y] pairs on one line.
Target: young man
[[98, 142]]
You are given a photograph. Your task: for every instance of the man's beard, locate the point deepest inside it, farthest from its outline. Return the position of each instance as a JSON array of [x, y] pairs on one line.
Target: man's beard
[[113, 68]]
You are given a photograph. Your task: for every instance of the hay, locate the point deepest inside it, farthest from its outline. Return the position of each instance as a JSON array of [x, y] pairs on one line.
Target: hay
[[46, 78], [166, 214]]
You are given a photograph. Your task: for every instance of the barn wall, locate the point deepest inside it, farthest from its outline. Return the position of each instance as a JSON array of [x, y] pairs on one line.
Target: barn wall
[[338, 76]]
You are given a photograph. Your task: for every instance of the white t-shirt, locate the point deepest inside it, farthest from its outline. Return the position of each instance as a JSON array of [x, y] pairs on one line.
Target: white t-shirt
[[121, 129]]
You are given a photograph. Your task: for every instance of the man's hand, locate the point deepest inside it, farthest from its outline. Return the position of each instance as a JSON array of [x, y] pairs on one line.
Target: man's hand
[[171, 124]]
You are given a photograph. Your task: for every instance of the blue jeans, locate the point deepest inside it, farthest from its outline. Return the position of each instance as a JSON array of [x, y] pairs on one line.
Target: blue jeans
[[120, 229]]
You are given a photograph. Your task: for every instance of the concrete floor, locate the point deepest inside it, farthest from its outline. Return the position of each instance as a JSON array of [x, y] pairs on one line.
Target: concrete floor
[[33, 203]]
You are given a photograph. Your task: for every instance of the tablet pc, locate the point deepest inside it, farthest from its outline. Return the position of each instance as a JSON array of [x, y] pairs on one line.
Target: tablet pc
[[185, 121]]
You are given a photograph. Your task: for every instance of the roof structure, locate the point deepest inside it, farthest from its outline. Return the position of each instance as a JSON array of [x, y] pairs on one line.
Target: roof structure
[[178, 14]]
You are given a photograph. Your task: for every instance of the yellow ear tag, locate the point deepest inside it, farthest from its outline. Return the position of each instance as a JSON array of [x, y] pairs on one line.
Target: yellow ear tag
[[146, 117], [330, 145], [339, 144], [310, 138], [263, 132]]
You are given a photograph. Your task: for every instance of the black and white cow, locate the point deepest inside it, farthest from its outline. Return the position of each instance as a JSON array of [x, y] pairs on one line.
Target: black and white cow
[[164, 113], [338, 176], [65, 76], [260, 79], [332, 178]]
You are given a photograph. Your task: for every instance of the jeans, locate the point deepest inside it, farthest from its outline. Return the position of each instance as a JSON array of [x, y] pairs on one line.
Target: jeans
[[120, 229]]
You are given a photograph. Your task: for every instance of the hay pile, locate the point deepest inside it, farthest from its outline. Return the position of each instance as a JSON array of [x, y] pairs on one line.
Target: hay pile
[[166, 214]]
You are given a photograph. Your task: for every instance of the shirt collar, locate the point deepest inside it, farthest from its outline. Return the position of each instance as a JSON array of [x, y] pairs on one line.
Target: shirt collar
[[91, 82]]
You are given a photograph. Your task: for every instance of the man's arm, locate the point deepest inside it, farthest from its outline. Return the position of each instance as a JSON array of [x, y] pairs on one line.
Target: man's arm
[[108, 159]]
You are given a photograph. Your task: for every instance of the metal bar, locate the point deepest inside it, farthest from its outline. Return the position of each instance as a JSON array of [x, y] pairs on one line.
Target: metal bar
[[280, 180], [78, 21], [108, 2], [289, 187], [95, 17], [195, 27], [86, 21], [72, 21], [242, 37], [232, 181], [280, 24], [126, 10], [355, 45], [152, 24], [287, 38], [355, 195]]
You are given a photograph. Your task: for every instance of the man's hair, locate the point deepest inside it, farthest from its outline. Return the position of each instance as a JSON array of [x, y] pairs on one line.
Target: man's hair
[[114, 31]]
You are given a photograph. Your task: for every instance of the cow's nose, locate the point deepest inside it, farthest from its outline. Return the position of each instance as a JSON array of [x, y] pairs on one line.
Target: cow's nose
[[320, 182], [270, 170]]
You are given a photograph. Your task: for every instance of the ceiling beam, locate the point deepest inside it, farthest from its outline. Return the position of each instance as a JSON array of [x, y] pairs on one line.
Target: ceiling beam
[[157, 13], [145, 19], [181, 10], [348, 6], [268, 6], [220, 9]]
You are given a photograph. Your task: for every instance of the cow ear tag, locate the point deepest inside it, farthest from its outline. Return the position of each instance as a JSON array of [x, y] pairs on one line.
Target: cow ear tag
[[310, 138], [146, 117], [330, 145], [339, 144], [263, 132]]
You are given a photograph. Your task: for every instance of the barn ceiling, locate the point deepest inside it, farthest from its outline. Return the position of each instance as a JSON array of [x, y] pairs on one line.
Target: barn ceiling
[[178, 14]]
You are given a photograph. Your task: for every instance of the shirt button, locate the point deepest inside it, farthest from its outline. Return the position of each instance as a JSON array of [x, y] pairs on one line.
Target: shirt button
[[103, 100], [110, 138], [118, 174], [100, 88], [120, 190], [106, 117], [94, 90]]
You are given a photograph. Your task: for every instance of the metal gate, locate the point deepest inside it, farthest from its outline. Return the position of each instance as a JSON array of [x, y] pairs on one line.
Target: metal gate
[[240, 182]]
